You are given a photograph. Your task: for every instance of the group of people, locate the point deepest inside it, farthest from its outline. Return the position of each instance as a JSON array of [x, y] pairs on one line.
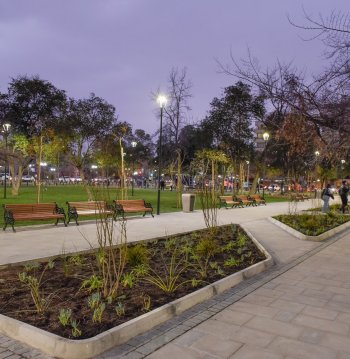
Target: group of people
[[327, 194]]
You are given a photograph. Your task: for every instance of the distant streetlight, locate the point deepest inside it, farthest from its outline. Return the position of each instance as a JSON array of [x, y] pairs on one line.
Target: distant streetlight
[[133, 144], [247, 162], [266, 137], [6, 132], [342, 167], [162, 100]]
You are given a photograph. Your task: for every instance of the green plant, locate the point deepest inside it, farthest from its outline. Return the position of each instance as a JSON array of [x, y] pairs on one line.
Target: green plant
[[98, 313], [120, 309], [140, 270], [146, 299], [76, 332], [76, 260], [94, 300], [230, 246], [195, 282], [92, 283], [128, 280], [213, 265], [220, 272], [170, 244], [65, 316], [137, 255], [232, 262], [242, 240], [202, 252], [171, 279], [34, 282]]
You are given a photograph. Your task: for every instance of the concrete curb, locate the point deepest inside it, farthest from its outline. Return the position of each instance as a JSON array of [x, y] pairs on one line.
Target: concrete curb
[[59, 347], [304, 237]]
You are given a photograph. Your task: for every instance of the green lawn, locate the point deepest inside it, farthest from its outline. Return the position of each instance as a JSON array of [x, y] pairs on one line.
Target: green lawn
[[63, 193]]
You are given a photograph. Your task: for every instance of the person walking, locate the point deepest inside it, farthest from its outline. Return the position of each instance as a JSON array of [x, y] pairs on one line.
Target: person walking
[[326, 195], [343, 193]]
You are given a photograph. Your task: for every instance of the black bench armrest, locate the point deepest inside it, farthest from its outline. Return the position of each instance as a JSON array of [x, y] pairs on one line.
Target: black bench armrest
[[148, 205]]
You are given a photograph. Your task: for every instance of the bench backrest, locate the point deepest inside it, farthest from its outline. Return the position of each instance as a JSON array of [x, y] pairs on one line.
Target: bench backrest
[[225, 198], [88, 205], [256, 196], [131, 202], [243, 197], [32, 208]]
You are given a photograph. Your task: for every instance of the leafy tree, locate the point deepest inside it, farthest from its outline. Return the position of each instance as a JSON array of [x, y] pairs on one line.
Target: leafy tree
[[88, 121], [230, 121]]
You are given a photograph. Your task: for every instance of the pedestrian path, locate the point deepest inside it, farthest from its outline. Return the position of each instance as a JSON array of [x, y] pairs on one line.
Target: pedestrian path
[[300, 308]]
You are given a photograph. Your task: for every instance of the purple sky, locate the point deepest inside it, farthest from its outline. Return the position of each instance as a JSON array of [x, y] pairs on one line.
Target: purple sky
[[122, 50]]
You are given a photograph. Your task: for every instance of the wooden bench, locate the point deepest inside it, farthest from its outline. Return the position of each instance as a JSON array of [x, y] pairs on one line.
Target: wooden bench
[[132, 206], [245, 200], [228, 201], [88, 208], [257, 199], [29, 212], [298, 197]]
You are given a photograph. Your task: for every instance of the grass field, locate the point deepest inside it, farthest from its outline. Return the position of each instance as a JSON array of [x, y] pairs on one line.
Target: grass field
[[63, 193]]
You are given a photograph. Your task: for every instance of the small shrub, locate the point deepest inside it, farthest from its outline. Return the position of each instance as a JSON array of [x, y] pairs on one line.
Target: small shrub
[[128, 280], [76, 332], [98, 313], [232, 262], [65, 316], [94, 300], [92, 283], [146, 299], [120, 309], [137, 255]]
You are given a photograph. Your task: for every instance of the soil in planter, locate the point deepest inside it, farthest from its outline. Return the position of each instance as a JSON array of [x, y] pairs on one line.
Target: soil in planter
[[61, 286]]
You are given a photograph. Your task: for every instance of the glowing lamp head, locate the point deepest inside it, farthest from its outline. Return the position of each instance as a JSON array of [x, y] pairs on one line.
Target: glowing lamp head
[[162, 100], [6, 127], [266, 136], [133, 144]]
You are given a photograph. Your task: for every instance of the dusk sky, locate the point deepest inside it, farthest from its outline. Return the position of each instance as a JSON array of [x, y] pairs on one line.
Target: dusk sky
[[122, 50]]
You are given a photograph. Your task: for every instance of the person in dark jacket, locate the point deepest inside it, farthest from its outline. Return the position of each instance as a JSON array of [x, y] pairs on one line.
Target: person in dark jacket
[[343, 193]]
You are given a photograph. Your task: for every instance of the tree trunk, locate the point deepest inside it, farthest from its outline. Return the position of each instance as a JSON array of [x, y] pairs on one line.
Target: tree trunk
[[16, 183], [179, 180], [39, 169]]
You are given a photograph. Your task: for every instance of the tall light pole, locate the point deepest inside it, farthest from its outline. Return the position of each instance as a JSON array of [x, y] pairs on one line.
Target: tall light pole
[[342, 168], [162, 100], [317, 155], [266, 137], [5, 131], [133, 144], [247, 162]]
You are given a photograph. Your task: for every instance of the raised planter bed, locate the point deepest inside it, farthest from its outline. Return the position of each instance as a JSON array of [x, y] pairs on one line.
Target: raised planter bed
[[58, 346], [318, 238]]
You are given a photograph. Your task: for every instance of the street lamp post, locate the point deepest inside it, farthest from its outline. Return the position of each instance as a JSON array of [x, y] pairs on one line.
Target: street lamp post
[[266, 137], [133, 144], [342, 167], [247, 162], [162, 100], [5, 131]]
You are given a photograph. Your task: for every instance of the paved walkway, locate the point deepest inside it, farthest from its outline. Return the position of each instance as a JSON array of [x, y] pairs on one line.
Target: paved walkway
[[300, 308]]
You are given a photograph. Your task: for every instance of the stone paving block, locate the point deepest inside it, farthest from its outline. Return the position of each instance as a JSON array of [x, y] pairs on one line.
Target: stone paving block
[[133, 355], [254, 309], [341, 298], [344, 317], [232, 317], [343, 355], [220, 329], [298, 349], [292, 289], [14, 356], [338, 306], [302, 299], [285, 316], [254, 352], [312, 336], [310, 285], [287, 305], [219, 347], [337, 342], [5, 354], [257, 299], [268, 292], [337, 290], [320, 312], [317, 294], [268, 325], [252, 336], [187, 339], [322, 324], [172, 351]]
